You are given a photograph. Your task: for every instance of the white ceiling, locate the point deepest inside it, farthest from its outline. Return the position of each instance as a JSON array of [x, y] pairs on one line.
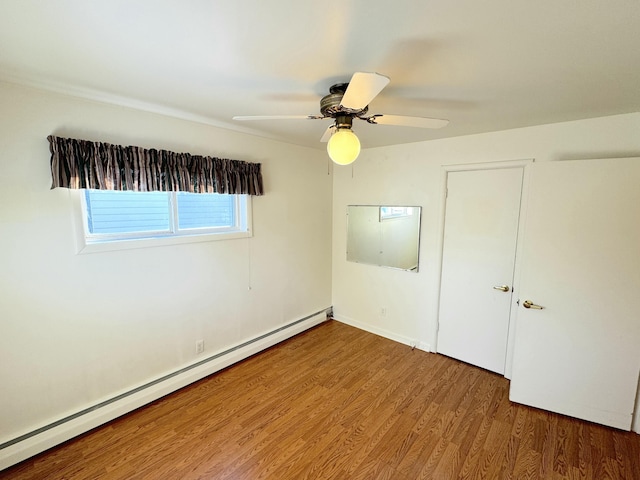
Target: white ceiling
[[484, 65]]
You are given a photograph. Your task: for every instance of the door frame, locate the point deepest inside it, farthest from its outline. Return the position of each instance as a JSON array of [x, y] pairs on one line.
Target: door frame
[[525, 164]]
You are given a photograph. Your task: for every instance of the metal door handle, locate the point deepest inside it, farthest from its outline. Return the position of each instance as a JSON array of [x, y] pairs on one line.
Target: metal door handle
[[502, 288], [530, 304]]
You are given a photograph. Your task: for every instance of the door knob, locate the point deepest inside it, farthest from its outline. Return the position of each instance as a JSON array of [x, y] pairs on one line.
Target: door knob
[[530, 304], [502, 288]]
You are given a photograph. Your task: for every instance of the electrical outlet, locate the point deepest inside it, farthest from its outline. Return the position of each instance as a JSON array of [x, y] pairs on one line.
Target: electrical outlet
[[383, 311], [199, 346]]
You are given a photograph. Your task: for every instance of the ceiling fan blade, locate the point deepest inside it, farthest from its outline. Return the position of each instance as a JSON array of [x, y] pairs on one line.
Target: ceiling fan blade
[[419, 122], [327, 133], [243, 118], [363, 88]]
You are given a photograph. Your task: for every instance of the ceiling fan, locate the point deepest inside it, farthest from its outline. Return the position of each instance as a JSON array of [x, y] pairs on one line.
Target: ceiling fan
[[345, 102]]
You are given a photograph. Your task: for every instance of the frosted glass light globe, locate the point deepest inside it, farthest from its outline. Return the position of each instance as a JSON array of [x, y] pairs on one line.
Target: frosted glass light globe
[[343, 146]]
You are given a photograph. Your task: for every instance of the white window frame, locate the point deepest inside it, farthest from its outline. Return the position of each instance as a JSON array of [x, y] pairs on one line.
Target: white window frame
[[87, 242]]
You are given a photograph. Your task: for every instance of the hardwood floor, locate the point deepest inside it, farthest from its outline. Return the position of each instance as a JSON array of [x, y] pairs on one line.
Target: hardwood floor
[[339, 403]]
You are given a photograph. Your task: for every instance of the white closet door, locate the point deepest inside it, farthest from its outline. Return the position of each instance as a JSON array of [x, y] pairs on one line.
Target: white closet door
[[580, 354], [479, 248]]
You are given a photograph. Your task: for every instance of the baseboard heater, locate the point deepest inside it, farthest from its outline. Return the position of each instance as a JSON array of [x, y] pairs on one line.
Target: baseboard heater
[[54, 433]]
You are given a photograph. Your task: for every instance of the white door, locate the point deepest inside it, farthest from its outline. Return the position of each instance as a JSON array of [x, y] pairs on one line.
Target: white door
[[580, 355], [480, 235]]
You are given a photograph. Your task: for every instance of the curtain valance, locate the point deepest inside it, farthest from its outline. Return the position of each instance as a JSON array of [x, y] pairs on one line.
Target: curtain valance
[[84, 164]]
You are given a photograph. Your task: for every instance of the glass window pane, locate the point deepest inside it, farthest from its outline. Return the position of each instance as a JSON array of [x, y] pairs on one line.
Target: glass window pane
[[202, 210], [112, 212]]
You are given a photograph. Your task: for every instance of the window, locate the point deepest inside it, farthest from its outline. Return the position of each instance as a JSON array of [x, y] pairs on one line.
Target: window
[[395, 212], [134, 219]]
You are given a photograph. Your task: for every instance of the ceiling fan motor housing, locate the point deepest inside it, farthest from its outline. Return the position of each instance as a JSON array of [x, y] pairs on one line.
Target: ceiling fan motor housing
[[330, 104]]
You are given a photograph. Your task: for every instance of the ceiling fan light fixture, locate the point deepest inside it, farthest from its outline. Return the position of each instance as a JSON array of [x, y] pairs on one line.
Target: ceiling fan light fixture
[[343, 146]]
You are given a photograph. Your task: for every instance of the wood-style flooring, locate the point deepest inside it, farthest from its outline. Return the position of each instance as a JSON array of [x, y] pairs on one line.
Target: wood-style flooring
[[339, 403]]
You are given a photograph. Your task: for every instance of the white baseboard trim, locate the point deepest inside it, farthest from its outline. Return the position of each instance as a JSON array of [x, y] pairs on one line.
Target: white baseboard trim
[[61, 430], [384, 333]]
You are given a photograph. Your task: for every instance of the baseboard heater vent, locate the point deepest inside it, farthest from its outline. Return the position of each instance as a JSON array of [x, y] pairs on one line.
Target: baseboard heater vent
[[273, 335]]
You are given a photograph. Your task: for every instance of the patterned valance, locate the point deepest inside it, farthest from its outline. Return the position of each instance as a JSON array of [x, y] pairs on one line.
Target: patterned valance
[[102, 166]]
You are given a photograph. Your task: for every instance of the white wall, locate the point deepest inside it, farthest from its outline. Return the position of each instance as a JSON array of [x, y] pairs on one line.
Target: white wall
[[77, 329], [412, 175]]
